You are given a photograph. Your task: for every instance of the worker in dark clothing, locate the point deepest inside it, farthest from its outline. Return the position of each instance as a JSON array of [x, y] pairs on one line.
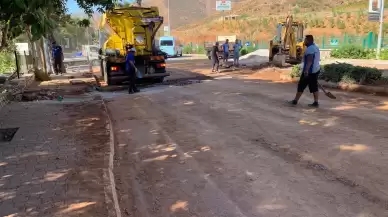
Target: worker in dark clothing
[[215, 60], [58, 57], [130, 68]]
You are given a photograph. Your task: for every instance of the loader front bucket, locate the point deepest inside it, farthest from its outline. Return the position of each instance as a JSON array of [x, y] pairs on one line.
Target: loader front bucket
[[279, 60]]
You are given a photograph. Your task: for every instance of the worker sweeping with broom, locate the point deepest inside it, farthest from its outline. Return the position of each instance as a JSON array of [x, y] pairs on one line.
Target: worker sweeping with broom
[[310, 72]]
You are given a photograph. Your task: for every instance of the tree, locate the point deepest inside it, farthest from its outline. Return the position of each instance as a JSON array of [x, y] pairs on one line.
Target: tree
[[83, 23], [40, 15], [100, 5], [29, 16], [39, 18]]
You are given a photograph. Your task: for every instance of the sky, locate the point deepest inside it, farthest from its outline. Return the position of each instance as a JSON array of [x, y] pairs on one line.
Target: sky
[[73, 7]]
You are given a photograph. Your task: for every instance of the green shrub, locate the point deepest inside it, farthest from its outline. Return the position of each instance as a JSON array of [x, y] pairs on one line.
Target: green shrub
[[193, 49], [243, 51], [343, 72], [247, 50], [7, 62], [352, 52], [200, 50], [384, 54], [187, 49], [296, 71]]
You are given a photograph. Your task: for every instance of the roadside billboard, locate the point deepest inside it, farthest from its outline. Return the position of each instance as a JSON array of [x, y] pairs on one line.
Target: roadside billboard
[[222, 38], [374, 10], [223, 5], [374, 6]]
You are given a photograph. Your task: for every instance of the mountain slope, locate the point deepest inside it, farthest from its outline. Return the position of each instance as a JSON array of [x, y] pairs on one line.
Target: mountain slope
[[258, 18], [184, 11]]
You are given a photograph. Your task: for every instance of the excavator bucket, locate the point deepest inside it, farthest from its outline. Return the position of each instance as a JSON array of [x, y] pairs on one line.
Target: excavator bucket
[[279, 60]]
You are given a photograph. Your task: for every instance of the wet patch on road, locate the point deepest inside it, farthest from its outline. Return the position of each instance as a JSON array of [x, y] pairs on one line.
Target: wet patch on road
[[181, 82], [148, 85]]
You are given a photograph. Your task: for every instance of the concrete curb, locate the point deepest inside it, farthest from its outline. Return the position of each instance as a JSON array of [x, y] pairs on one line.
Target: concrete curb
[[381, 91], [377, 90]]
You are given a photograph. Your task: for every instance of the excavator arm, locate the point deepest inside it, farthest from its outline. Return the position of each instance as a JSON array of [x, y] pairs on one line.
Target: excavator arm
[[288, 46], [289, 40]]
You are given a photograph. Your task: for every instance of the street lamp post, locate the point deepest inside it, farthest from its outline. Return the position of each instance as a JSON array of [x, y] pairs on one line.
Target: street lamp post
[[380, 38]]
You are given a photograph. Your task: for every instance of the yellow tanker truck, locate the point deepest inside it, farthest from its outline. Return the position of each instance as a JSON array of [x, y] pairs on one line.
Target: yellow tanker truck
[[136, 26]]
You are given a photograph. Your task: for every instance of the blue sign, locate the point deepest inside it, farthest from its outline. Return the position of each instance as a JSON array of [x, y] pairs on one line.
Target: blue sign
[[334, 42], [247, 43]]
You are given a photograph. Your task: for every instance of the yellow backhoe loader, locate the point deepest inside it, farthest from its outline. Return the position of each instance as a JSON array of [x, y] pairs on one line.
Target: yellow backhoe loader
[[287, 46]]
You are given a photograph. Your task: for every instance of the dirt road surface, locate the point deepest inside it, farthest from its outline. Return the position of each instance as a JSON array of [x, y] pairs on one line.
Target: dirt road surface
[[232, 147], [56, 163]]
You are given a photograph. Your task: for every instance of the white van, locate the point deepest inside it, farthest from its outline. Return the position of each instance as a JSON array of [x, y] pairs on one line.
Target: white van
[[169, 45]]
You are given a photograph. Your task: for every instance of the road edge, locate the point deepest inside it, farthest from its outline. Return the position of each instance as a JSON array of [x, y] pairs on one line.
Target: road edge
[[364, 89], [110, 188]]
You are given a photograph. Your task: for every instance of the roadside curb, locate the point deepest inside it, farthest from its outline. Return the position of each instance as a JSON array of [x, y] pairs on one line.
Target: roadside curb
[[380, 91], [111, 195]]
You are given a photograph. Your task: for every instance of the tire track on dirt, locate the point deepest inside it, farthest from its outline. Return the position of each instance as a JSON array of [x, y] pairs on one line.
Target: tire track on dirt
[[267, 140]]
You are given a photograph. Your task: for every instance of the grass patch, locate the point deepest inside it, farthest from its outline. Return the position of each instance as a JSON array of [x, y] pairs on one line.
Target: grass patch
[[7, 63], [353, 52]]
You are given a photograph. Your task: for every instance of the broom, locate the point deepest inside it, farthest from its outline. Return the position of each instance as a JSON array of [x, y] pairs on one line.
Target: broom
[[327, 93]]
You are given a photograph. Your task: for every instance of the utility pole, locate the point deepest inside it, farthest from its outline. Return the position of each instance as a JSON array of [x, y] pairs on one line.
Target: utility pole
[[168, 17], [379, 41], [87, 35]]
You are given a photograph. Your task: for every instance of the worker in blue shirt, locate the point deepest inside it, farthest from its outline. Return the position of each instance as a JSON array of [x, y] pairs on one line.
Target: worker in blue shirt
[[58, 57], [310, 71], [131, 69], [225, 48], [236, 53]]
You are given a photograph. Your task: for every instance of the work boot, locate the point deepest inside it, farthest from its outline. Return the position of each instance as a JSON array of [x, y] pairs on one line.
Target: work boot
[[314, 105], [293, 102]]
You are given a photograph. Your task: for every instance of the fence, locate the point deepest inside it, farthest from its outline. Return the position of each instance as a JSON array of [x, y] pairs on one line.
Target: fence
[[368, 41], [20, 61]]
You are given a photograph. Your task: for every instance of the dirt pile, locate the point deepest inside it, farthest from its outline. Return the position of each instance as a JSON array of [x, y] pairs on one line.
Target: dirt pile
[[270, 73], [38, 95]]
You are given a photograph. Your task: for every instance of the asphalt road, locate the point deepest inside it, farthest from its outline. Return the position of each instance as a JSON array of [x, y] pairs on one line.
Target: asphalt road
[[230, 146]]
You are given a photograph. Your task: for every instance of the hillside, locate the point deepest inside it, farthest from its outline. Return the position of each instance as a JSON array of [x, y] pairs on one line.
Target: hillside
[[185, 11], [258, 18]]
